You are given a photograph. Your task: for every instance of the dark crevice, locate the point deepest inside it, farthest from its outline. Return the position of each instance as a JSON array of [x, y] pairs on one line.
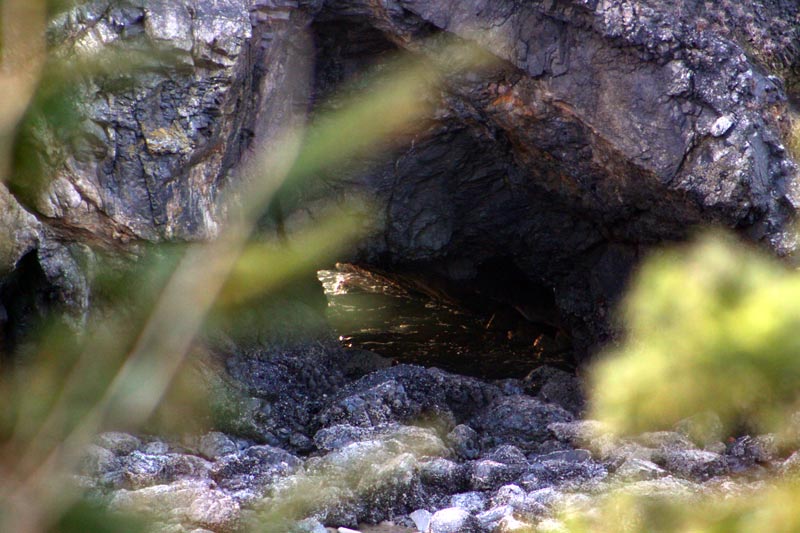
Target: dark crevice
[[25, 298]]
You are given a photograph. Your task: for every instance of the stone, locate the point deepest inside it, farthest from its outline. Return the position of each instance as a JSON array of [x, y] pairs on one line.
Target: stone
[[486, 474], [519, 420], [444, 475], [556, 386], [579, 432], [404, 392], [634, 469], [156, 448], [98, 461], [512, 495], [215, 444], [472, 502], [421, 519], [251, 472], [453, 520], [761, 449], [694, 464], [489, 520], [464, 441], [117, 442], [187, 502], [721, 126], [309, 525]]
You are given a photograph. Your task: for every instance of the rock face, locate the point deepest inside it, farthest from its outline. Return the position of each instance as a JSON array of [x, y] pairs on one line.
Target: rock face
[[611, 126]]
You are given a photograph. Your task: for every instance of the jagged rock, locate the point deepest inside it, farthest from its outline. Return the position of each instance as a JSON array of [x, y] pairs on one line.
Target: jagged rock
[[607, 128], [693, 464], [556, 386], [464, 441], [518, 420], [403, 393], [249, 474], [512, 495]]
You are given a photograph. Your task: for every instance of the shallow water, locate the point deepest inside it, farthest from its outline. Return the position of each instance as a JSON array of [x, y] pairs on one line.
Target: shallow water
[[372, 312]]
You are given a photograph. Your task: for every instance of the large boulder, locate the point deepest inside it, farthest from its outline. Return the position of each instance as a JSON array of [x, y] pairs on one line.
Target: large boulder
[[608, 127]]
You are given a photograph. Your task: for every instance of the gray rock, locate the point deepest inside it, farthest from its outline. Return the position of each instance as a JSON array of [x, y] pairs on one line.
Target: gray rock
[[721, 126], [572, 456], [579, 432], [694, 464], [405, 392], [443, 475], [117, 442], [487, 474], [143, 469], [761, 449], [248, 474], [518, 420], [562, 474], [472, 502], [556, 386], [507, 454], [464, 441], [490, 520], [512, 495], [98, 461], [677, 128], [156, 448], [453, 520], [215, 444]]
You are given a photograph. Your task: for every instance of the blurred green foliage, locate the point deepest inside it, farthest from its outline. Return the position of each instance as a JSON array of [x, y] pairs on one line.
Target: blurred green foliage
[[711, 326]]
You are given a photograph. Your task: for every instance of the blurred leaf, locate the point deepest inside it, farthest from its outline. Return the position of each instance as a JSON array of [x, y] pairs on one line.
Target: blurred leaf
[[713, 326], [86, 516], [772, 509], [266, 266]]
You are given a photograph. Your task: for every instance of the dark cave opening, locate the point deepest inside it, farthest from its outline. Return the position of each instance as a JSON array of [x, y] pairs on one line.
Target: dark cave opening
[[498, 325], [25, 298]]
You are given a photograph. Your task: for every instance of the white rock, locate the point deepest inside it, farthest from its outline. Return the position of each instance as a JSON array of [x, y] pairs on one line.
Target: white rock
[[721, 126], [421, 519]]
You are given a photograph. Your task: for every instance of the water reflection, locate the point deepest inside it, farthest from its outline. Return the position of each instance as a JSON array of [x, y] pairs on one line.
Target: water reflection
[[414, 324]]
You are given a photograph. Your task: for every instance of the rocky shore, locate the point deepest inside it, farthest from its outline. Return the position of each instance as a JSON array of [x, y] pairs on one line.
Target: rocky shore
[[406, 448]]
